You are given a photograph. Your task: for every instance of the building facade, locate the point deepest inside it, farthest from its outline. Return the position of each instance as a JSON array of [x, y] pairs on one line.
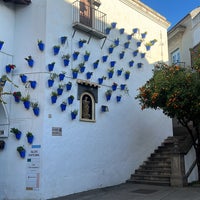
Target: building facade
[[97, 140]]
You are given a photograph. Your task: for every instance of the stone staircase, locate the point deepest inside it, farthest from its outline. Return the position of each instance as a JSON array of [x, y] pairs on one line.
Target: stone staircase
[[156, 170]]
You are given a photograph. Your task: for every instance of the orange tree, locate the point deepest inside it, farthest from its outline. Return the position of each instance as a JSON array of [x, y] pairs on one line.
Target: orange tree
[[176, 91]]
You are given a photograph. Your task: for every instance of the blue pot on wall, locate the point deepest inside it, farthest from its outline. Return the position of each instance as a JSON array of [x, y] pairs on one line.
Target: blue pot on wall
[[41, 46], [68, 86], [104, 58], [56, 50], [30, 139], [53, 99], [112, 63], [100, 80], [23, 78], [63, 39], [30, 62], [22, 153], [27, 104], [110, 75], [63, 106], [118, 98], [121, 30], [116, 42], [113, 24], [51, 66], [8, 69], [1, 44], [59, 91], [18, 135], [61, 77], [121, 55], [65, 62], [119, 72], [108, 30], [50, 82], [73, 115], [131, 63], [70, 100], [33, 84], [82, 69], [74, 75], [36, 111], [86, 57]]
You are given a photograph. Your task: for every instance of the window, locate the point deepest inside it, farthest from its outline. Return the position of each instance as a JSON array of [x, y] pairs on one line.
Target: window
[[87, 107], [175, 57]]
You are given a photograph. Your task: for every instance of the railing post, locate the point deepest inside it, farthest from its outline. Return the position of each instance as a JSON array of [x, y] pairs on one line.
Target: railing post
[[177, 167]]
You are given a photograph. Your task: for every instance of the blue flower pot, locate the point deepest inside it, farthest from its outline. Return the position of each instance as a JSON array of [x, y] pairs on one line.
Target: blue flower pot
[[36, 111], [143, 35], [138, 44], [135, 53], [74, 75], [108, 97], [95, 65], [73, 115], [30, 62], [30, 139], [100, 80], [18, 135], [53, 99], [61, 77], [75, 56], [1, 44], [68, 87], [126, 45], [86, 58], [50, 82], [114, 87], [65, 62], [8, 69], [51, 66], [113, 24], [110, 75], [131, 63], [142, 55], [80, 44], [56, 50], [63, 107], [129, 37], [107, 31], [127, 76], [27, 104], [119, 72], [63, 39], [139, 65], [112, 63], [82, 69], [33, 84], [123, 86], [23, 78], [121, 55], [118, 98], [41, 46], [22, 153], [17, 99], [70, 100], [88, 75], [121, 31], [116, 42], [148, 48], [110, 50], [135, 30], [59, 91], [104, 58]]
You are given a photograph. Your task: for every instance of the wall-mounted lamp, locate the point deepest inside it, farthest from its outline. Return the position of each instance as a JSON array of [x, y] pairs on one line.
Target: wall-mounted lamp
[[104, 108]]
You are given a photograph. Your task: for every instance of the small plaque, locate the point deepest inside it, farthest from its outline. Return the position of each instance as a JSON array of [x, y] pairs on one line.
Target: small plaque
[[56, 131]]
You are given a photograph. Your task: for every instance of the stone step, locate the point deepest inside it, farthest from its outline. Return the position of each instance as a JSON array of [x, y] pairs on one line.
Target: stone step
[[153, 171], [150, 177], [157, 168], [148, 182], [159, 159], [157, 163]]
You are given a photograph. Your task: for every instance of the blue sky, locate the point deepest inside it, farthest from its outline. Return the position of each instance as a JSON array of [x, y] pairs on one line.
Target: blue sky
[[173, 10]]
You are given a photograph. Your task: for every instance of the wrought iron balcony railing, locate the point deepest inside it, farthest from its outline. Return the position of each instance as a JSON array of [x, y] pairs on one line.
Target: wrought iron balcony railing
[[88, 19]]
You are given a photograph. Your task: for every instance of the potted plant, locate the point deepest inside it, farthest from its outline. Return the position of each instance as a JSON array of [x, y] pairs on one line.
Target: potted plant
[[127, 74], [104, 58], [3, 80], [112, 63], [35, 107], [41, 45], [16, 132], [30, 137], [53, 97], [86, 56], [1, 44], [148, 46], [75, 72], [143, 34], [51, 79], [110, 73], [135, 30], [123, 86], [139, 65], [74, 114], [10, 67], [126, 44], [26, 101], [114, 86], [119, 72], [63, 39], [131, 63], [81, 42], [17, 95], [62, 76], [108, 94], [23, 78], [135, 53], [138, 43], [142, 55], [129, 36], [104, 108], [70, 99], [108, 29], [56, 49], [116, 42], [111, 48], [33, 84], [113, 24], [69, 86], [21, 151], [118, 98], [60, 89], [66, 59], [89, 75], [121, 30], [63, 106], [121, 55], [75, 55], [95, 64], [51, 66], [100, 80], [153, 41], [82, 67], [30, 61]]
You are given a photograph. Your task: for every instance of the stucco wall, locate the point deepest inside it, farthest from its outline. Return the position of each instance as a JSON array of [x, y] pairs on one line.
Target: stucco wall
[[87, 155]]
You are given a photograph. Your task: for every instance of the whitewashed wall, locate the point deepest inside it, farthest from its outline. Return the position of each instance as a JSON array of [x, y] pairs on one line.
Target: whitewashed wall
[[87, 155]]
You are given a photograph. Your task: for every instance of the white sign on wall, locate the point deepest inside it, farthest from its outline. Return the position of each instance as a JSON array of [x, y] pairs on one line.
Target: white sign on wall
[[33, 168]]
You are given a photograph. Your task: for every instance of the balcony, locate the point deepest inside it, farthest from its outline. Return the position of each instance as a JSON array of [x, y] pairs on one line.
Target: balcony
[[22, 2], [88, 19]]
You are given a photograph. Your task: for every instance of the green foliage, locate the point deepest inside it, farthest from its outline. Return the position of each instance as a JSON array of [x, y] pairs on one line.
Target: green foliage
[[175, 90]]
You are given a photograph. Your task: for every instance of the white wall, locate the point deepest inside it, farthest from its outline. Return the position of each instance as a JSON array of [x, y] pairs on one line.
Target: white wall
[[87, 155]]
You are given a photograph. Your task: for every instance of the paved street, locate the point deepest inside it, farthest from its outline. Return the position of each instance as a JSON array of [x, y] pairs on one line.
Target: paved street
[[137, 192]]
